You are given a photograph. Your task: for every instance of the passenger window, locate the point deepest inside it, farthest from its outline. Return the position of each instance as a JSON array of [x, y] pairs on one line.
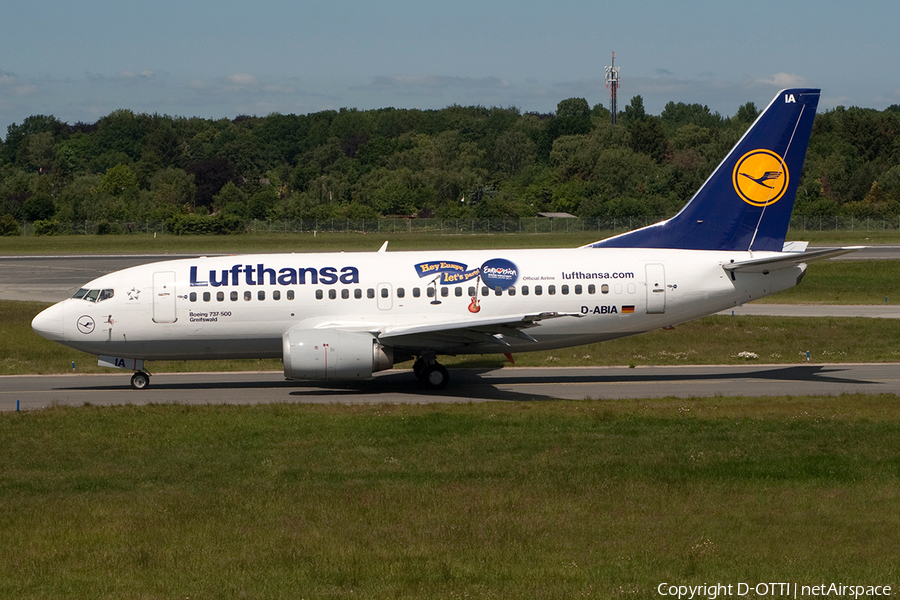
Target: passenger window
[[206, 296], [512, 290], [417, 292], [193, 296], [332, 294], [384, 292], [370, 293], [318, 294], [551, 289], [458, 291], [565, 290], [604, 289], [497, 291], [234, 296], [445, 292], [429, 292], [248, 296], [524, 290], [485, 291], [357, 293], [276, 295], [592, 289], [538, 290], [578, 289], [401, 292], [220, 296], [471, 291], [345, 293], [261, 295], [290, 294]]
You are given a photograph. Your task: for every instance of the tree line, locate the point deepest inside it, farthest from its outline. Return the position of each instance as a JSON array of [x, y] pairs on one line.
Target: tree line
[[456, 162]]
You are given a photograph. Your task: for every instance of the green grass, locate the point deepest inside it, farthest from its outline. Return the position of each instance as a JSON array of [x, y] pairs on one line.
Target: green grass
[[711, 340], [499, 500]]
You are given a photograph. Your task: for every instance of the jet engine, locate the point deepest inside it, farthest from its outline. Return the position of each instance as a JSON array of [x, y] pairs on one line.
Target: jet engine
[[333, 355]]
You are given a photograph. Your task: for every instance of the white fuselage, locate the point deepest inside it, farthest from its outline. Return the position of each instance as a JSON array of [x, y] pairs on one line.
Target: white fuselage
[[241, 306]]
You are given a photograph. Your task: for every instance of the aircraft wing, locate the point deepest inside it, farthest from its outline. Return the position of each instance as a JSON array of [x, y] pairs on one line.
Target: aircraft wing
[[786, 260], [469, 331]]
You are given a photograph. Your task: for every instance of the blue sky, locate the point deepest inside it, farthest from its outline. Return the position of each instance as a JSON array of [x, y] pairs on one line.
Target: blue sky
[[80, 61]]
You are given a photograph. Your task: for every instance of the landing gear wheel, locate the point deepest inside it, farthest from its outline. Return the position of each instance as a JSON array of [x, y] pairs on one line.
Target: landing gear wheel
[[140, 380], [435, 376]]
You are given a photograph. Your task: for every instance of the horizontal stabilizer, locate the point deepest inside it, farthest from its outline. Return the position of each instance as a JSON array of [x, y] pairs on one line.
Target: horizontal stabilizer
[[787, 260]]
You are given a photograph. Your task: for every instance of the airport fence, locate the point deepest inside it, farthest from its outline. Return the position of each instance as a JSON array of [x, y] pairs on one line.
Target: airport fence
[[534, 225]]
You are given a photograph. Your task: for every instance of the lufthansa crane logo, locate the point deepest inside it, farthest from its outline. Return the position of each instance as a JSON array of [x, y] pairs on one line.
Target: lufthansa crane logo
[[85, 324], [760, 177]]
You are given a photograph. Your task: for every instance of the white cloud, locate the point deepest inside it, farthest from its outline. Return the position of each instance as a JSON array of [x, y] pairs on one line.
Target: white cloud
[[435, 82], [131, 75], [242, 80], [783, 80], [25, 89]]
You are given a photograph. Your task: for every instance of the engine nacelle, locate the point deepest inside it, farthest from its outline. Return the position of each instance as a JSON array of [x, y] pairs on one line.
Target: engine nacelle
[[333, 355]]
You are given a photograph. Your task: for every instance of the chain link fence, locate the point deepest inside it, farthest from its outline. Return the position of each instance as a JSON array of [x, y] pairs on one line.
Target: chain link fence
[[535, 225]]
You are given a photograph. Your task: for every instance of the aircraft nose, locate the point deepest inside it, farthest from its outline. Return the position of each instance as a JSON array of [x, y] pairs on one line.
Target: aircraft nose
[[49, 322]]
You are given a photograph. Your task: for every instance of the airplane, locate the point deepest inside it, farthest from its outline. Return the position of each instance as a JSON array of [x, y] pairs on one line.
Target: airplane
[[339, 317]]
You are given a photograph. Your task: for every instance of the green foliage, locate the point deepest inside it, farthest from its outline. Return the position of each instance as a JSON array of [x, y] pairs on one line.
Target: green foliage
[[119, 180], [39, 207], [45, 227], [193, 224], [9, 226], [132, 167]]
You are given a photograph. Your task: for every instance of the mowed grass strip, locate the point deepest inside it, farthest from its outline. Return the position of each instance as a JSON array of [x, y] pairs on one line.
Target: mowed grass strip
[[525, 500], [711, 340]]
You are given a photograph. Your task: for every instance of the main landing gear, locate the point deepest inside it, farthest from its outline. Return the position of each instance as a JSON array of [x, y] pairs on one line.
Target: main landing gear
[[140, 380], [431, 373]]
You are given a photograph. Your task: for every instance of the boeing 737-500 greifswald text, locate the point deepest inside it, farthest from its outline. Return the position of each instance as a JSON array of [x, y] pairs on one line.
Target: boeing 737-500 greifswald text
[[340, 317]]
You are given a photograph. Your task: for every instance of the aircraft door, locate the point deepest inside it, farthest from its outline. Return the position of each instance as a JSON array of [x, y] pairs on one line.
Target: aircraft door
[[656, 289], [164, 297], [385, 296]]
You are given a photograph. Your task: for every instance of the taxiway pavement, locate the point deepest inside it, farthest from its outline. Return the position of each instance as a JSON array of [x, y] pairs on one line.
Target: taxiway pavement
[[511, 384]]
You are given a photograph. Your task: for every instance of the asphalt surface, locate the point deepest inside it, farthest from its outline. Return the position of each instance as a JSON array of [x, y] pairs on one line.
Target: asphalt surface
[[512, 384]]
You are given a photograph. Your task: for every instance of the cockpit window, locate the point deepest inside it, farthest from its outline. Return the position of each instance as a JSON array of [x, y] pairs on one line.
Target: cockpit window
[[94, 295]]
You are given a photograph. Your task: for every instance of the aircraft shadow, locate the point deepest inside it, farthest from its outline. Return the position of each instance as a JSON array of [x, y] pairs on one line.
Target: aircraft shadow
[[472, 384]]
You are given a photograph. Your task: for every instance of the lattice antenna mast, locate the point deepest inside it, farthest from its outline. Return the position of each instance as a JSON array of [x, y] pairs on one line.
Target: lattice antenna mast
[[612, 84]]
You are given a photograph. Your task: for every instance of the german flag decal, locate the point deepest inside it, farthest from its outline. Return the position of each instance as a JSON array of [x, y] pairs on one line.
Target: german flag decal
[[627, 310]]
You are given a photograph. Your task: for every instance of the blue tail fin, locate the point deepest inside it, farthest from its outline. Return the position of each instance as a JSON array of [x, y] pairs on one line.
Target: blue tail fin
[[746, 203]]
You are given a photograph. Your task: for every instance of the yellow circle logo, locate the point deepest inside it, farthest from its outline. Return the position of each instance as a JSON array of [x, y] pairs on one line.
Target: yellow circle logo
[[760, 177]]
